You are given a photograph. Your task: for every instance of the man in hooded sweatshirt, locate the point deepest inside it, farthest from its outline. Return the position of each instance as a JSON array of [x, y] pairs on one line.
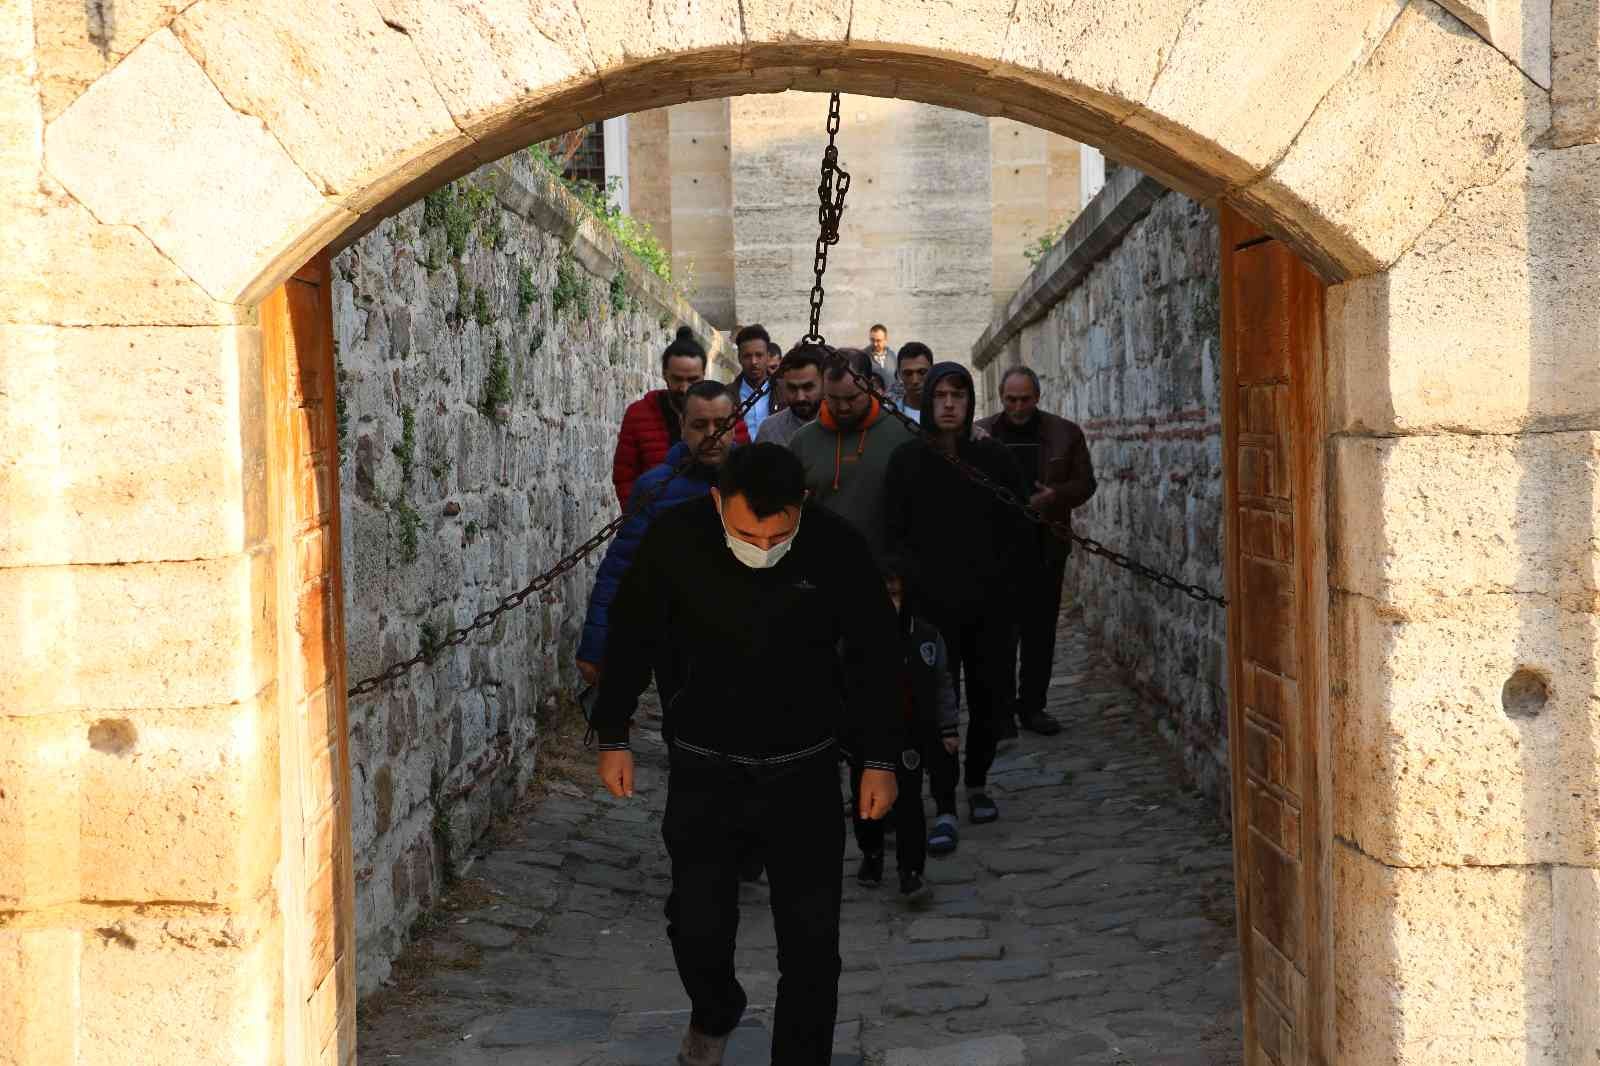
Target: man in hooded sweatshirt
[[968, 555], [846, 451]]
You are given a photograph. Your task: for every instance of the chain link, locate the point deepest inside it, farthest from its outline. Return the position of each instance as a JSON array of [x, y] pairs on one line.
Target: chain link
[[831, 190]]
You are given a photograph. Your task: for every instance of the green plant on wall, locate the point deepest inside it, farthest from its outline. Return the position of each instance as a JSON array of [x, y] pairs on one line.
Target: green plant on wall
[[406, 450], [622, 301], [497, 383], [526, 293], [410, 528], [630, 232], [572, 285]]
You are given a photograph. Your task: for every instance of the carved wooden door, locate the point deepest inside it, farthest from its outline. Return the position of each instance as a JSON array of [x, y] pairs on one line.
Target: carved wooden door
[[316, 880], [1275, 519]]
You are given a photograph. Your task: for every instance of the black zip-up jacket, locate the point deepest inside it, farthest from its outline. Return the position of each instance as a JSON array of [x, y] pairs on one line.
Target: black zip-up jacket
[[717, 628], [965, 550]]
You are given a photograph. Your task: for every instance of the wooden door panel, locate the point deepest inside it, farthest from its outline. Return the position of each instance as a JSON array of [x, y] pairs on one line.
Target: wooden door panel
[[318, 876], [1273, 442]]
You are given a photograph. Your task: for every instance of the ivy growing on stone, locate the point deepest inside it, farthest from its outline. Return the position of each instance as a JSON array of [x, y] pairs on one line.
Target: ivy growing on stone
[[526, 293], [497, 384], [410, 528], [406, 450], [572, 285], [480, 306]]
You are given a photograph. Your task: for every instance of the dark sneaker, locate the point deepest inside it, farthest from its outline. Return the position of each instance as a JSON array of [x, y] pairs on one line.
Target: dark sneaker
[[913, 889], [1041, 723], [701, 1049], [943, 837], [871, 870], [980, 808]]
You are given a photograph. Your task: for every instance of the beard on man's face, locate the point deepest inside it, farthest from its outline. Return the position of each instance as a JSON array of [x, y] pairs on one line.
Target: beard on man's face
[[804, 410]]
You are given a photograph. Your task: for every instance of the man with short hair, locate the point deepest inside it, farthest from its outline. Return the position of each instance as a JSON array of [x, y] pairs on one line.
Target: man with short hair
[[727, 586], [966, 554], [846, 451], [882, 359], [1054, 457], [654, 423], [752, 343], [911, 365], [801, 382], [706, 406], [775, 357]]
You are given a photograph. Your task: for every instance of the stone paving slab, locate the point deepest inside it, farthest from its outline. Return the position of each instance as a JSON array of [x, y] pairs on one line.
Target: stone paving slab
[[1092, 924]]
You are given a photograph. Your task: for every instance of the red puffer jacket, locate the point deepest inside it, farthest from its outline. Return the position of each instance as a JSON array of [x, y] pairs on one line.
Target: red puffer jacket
[[650, 427]]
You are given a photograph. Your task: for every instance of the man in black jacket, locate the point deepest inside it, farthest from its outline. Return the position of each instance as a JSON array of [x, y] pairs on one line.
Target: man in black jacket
[[968, 554], [721, 589]]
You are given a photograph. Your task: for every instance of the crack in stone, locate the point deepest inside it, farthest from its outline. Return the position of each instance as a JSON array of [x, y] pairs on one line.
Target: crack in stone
[[1532, 867], [1450, 203]]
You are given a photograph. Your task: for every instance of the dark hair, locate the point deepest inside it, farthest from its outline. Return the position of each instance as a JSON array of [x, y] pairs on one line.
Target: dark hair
[[684, 344], [854, 358], [913, 350], [774, 348], [1025, 371], [802, 355], [709, 390], [767, 475], [878, 325], [751, 333]]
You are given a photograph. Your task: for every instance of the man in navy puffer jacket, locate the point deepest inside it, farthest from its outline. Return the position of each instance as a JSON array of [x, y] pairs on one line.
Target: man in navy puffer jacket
[[705, 407]]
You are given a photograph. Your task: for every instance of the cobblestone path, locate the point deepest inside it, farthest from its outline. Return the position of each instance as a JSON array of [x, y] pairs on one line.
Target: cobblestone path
[[1092, 924]]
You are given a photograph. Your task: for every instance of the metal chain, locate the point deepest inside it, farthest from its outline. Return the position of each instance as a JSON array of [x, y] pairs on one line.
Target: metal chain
[[568, 562], [831, 190], [830, 210]]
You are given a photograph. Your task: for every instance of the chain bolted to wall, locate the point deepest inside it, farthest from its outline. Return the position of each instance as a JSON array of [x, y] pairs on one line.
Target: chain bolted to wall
[[831, 190]]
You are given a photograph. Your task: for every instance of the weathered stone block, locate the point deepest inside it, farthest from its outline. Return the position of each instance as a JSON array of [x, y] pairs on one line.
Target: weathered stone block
[[1441, 108], [1443, 966], [332, 54], [1421, 517], [1277, 63], [1575, 72], [245, 203], [1488, 322], [1519, 29], [144, 635], [135, 444], [1467, 737]]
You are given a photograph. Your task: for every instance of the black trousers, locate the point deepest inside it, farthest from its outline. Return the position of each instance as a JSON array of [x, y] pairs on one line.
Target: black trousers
[[910, 826], [979, 646], [794, 818], [1036, 636]]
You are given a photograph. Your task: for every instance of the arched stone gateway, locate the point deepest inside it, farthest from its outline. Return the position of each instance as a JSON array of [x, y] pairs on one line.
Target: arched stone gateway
[[163, 546]]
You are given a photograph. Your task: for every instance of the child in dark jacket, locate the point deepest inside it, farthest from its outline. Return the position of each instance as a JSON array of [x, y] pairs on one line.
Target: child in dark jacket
[[931, 722]]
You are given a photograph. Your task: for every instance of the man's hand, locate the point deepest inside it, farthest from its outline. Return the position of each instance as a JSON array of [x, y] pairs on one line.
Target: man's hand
[[1043, 498], [589, 672], [878, 790], [616, 773], [952, 744]]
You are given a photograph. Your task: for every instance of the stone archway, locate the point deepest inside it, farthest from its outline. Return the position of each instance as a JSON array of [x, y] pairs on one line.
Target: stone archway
[[170, 171]]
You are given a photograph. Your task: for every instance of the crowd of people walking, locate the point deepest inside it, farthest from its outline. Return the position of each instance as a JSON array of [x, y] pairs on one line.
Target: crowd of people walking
[[811, 584]]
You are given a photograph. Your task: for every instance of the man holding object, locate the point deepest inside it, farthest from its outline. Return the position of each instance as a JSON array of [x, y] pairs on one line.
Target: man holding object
[[721, 589]]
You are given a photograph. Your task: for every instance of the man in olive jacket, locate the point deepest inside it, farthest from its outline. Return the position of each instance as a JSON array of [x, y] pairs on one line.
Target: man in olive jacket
[[1054, 453]]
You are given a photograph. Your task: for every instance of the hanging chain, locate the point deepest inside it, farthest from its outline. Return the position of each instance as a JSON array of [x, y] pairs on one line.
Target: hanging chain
[[830, 210], [831, 190]]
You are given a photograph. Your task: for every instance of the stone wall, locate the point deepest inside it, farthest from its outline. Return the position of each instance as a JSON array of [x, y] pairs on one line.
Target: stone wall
[[1121, 322], [488, 340]]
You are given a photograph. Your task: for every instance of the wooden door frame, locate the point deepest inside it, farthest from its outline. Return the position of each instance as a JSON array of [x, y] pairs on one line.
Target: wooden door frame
[[1305, 338]]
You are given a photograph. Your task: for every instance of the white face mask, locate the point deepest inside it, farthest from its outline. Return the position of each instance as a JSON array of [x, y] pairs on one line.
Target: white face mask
[[758, 558]]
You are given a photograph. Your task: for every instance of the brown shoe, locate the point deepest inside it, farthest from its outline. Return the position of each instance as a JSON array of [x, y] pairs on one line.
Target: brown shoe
[[701, 1049]]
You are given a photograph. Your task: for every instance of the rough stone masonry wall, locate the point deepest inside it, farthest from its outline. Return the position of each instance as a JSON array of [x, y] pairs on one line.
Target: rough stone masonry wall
[[1124, 334], [487, 344]]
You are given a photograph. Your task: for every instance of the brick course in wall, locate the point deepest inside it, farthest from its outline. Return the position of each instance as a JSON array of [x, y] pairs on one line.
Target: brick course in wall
[[1121, 322], [488, 341]]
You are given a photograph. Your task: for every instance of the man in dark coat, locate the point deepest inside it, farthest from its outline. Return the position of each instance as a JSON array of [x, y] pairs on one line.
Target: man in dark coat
[[1054, 454], [706, 406], [726, 586], [967, 554]]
